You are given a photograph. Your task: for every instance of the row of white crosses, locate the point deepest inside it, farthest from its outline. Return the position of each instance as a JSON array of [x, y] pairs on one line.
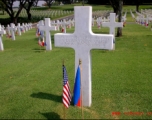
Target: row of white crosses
[[12, 29], [143, 19], [43, 14], [99, 21], [147, 12], [63, 23], [100, 13]]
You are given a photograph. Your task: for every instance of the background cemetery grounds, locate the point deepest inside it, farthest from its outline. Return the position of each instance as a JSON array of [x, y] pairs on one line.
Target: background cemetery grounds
[[31, 78]]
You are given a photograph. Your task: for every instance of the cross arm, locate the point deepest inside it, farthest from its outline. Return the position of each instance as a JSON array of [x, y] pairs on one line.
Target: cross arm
[[118, 24], [85, 42], [105, 24], [64, 40], [2, 32]]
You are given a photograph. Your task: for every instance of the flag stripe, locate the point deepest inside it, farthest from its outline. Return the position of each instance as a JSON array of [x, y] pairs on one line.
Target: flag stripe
[[66, 89]]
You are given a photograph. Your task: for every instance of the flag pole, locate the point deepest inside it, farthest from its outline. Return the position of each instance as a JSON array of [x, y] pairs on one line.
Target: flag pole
[[62, 97], [81, 88]]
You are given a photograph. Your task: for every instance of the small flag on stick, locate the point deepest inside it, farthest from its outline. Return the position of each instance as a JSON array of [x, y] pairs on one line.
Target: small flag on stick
[[77, 89], [66, 98]]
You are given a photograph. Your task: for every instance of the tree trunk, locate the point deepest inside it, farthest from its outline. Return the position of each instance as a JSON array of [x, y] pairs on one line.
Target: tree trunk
[[115, 10], [15, 21], [137, 7], [29, 16], [3, 12], [119, 30], [83, 2]]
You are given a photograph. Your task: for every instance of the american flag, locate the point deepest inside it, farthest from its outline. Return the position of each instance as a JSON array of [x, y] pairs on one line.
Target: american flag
[[66, 98]]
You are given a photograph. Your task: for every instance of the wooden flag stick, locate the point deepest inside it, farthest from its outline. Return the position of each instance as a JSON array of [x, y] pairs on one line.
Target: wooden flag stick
[[63, 104], [63, 62], [81, 88]]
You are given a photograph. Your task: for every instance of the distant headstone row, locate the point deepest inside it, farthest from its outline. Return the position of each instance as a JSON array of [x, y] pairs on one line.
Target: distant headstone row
[[41, 14], [12, 30], [143, 18]]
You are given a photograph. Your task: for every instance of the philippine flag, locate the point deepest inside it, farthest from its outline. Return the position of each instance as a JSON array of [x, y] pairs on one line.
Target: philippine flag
[[77, 87]]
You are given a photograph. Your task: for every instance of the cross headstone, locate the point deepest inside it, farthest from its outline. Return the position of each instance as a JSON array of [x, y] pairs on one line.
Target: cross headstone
[[82, 41], [12, 28], [2, 28], [64, 24], [41, 23], [30, 25], [98, 23], [93, 21], [57, 25], [112, 24], [26, 27], [1, 43], [47, 28], [19, 29], [23, 27], [8, 31]]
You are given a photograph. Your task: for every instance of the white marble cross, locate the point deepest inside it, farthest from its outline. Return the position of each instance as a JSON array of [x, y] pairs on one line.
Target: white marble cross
[[23, 27], [64, 24], [98, 23], [82, 41], [19, 29], [26, 27], [2, 28], [8, 31], [57, 24], [12, 28], [47, 28], [1, 43], [112, 24]]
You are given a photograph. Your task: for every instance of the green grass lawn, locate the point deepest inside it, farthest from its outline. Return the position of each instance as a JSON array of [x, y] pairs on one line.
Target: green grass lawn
[[31, 78]]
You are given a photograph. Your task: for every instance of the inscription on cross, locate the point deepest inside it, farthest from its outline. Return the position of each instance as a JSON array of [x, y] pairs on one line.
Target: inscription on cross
[[82, 41]]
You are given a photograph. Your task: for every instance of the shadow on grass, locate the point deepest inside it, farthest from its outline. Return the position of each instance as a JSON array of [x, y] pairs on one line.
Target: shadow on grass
[[40, 49], [149, 35], [47, 96], [51, 115]]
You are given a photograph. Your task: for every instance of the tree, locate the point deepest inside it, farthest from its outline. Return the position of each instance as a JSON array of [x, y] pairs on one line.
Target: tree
[[49, 2], [35, 3], [115, 5], [2, 6], [28, 6], [8, 7], [138, 2]]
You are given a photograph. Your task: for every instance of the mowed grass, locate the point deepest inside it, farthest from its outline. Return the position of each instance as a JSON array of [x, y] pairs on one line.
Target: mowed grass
[[31, 78]]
